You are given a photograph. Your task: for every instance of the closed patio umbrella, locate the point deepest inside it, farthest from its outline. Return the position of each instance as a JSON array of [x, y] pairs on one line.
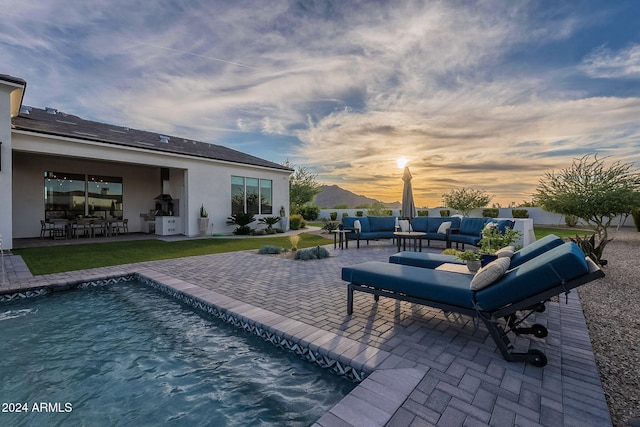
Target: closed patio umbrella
[[408, 206]]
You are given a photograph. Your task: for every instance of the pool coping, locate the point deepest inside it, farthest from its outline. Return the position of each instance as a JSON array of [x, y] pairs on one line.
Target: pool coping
[[382, 386]]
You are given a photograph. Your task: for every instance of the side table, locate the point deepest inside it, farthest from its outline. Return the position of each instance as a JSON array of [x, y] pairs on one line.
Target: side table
[[402, 236]]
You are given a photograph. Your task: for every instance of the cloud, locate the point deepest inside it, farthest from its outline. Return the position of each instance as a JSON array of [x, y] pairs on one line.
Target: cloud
[[605, 63], [341, 87]]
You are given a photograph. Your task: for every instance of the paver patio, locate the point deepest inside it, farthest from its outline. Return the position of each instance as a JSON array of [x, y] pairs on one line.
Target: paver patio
[[430, 368]]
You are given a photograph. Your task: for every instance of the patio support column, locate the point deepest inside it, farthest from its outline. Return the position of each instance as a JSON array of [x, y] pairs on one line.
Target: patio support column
[[11, 93]]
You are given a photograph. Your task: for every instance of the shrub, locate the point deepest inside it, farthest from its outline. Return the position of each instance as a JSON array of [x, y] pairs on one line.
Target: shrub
[[520, 213], [333, 216], [450, 251], [359, 213], [269, 221], [341, 206], [490, 212], [311, 253], [269, 249], [242, 220], [423, 213], [296, 222], [445, 212], [329, 226], [636, 217], [571, 220], [310, 213]]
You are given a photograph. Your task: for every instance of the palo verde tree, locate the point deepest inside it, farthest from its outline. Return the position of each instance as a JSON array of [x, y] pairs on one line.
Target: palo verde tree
[[594, 192], [464, 200], [303, 186]]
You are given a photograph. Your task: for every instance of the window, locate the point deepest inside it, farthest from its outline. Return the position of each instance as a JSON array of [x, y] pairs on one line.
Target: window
[[237, 194], [64, 195], [104, 196], [71, 195], [266, 197], [251, 195]]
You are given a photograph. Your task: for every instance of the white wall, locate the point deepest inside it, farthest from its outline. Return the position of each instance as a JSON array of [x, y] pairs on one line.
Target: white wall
[[6, 177], [538, 215]]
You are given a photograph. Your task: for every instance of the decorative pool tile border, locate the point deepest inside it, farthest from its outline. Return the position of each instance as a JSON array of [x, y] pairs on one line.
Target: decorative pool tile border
[[275, 337]]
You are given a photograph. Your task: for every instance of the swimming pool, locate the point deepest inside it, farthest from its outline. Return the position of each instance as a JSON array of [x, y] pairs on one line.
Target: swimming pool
[[128, 354]]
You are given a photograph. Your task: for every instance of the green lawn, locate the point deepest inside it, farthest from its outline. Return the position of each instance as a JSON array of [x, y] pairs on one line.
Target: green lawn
[[57, 259]]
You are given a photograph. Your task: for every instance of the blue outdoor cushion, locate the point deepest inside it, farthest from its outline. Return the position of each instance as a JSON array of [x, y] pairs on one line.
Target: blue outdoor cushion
[[534, 249], [440, 286], [548, 270], [423, 260], [348, 222], [420, 223], [382, 223], [472, 226], [503, 224]]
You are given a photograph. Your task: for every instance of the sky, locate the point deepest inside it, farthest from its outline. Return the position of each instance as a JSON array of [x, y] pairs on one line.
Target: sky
[[484, 94]]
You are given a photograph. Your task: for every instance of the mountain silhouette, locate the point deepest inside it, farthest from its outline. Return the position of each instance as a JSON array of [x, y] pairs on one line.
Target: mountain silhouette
[[332, 195]]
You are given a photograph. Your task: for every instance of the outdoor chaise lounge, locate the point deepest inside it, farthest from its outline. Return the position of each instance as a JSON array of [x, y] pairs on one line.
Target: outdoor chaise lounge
[[431, 260], [501, 305]]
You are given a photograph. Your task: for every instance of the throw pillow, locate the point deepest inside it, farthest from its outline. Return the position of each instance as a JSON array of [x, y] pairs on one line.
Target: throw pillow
[[444, 227], [489, 273], [507, 251], [357, 225], [404, 225]]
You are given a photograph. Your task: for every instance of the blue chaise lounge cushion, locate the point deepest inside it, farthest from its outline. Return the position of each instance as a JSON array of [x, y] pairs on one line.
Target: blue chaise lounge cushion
[[562, 263], [433, 285]]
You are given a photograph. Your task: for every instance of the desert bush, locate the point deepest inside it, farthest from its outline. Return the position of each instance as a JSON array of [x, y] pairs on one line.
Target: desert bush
[[333, 215], [329, 226], [571, 220], [359, 213], [490, 212], [312, 253], [423, 213], [445, 212], [520, 213], [269, 249], [309, 213], [296, 222]]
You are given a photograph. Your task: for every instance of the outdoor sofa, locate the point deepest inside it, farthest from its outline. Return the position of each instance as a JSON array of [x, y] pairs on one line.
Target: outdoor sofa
[[383, 227], [470, 230], [501, 305]]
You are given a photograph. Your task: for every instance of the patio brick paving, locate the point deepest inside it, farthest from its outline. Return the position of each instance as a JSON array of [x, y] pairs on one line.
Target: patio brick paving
[[440, 369]]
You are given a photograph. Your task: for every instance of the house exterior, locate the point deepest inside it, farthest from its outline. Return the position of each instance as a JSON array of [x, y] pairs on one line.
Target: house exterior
[[59, 166]]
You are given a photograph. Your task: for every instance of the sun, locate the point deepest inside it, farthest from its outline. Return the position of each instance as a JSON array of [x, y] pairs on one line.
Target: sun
[[402, 162]]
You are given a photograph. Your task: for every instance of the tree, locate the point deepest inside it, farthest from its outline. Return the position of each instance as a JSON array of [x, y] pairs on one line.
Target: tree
[[303, 186], [592, 191], [465, 200]]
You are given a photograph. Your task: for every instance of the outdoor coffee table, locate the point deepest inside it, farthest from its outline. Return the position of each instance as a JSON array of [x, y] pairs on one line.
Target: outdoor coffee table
[[341, 236], [402, 236]]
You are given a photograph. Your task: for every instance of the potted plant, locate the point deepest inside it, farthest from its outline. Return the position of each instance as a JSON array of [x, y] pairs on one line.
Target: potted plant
[[203, 221], [494, 239], [471, 258]]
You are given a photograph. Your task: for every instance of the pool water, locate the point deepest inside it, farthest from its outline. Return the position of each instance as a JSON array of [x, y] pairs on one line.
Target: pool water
[[126, 354]]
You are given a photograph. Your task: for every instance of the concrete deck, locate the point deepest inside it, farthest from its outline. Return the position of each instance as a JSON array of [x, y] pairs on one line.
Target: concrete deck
[[427, 368]]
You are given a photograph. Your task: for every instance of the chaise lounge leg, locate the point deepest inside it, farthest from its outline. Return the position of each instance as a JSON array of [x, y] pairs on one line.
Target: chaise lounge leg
[[349, 299], [533, 356]]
